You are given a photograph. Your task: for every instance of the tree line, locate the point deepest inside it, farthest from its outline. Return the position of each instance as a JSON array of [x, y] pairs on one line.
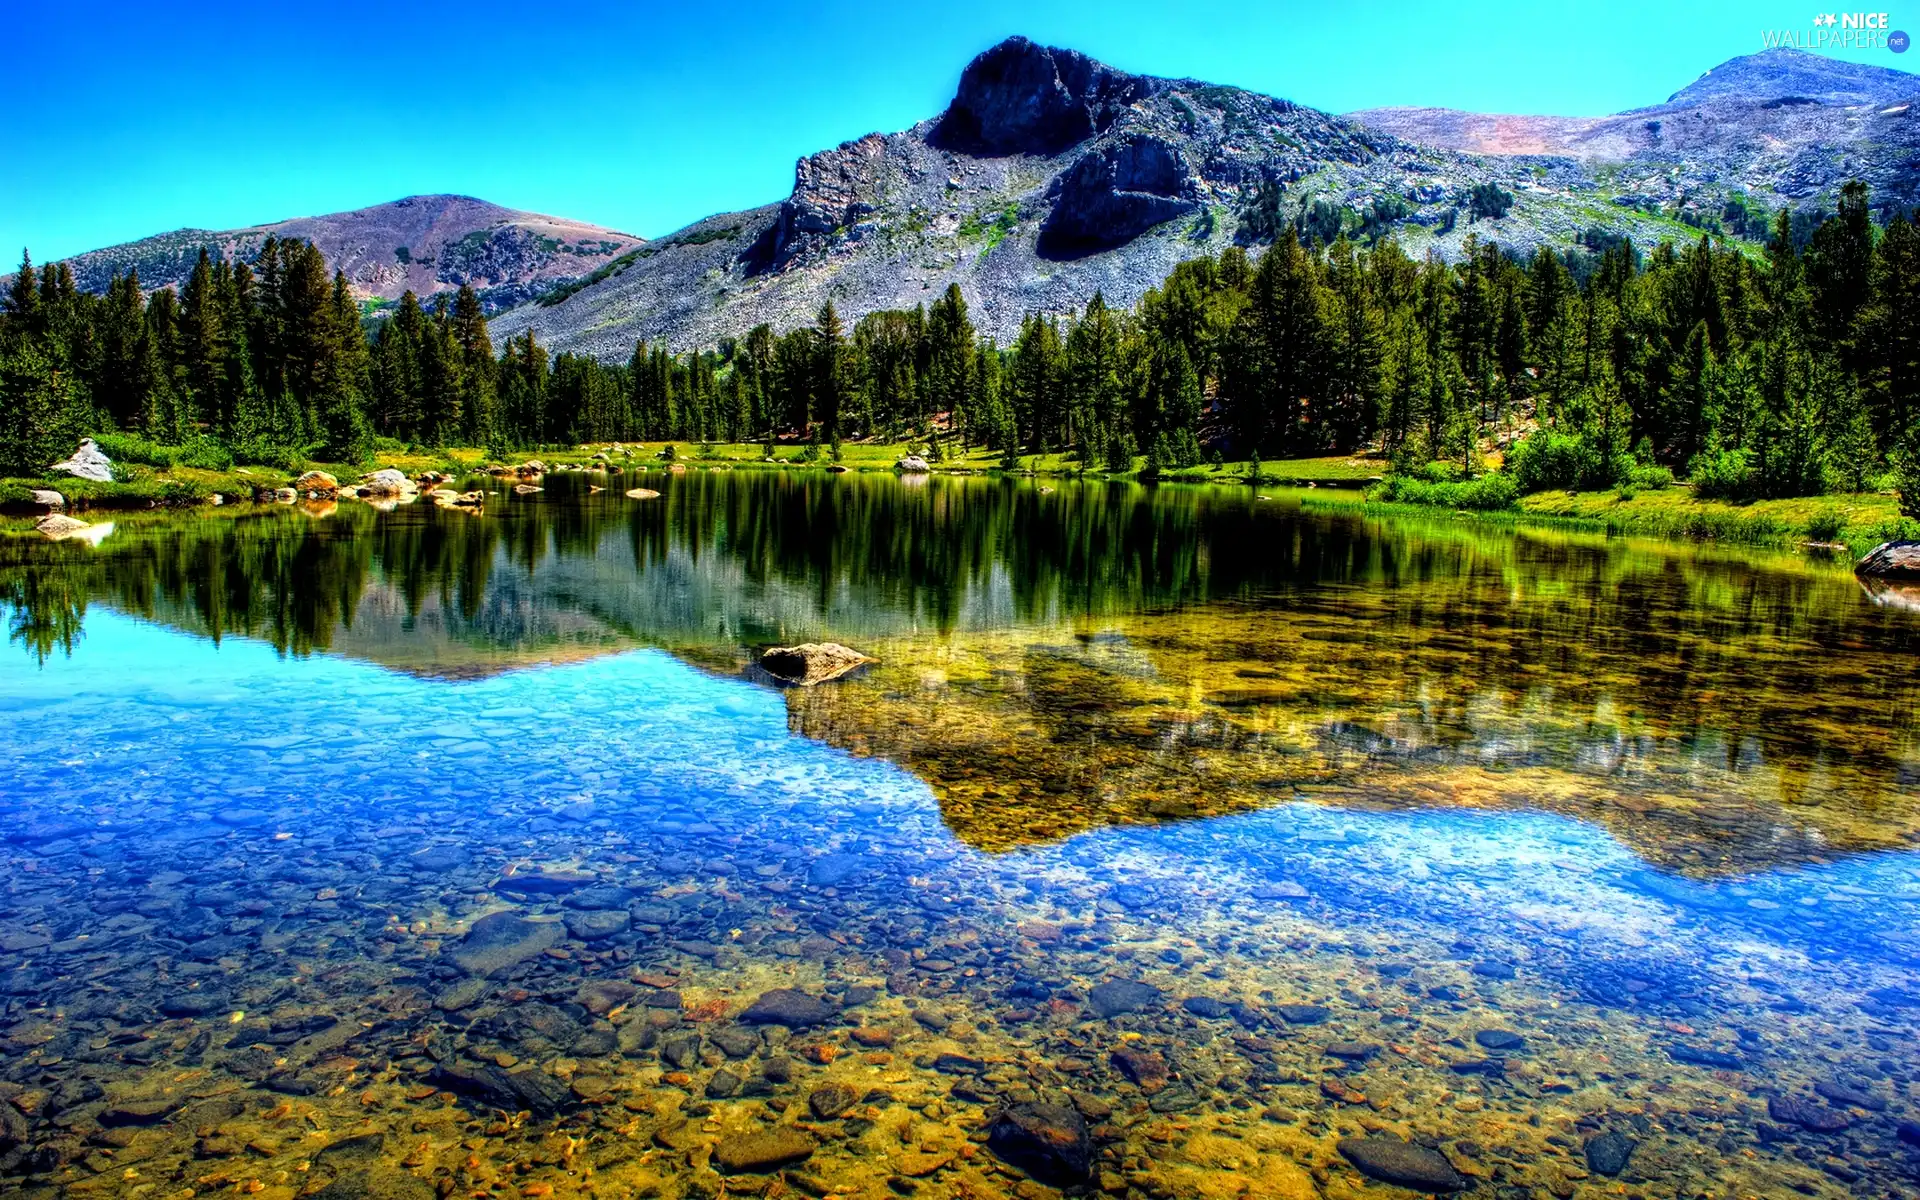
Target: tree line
[[1784, 370]]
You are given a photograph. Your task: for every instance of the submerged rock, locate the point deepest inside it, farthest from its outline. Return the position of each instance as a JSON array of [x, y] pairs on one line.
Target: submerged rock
[[530, 1089], [1117, 996], [789, 1007], [761, 1152], [87, 462], [1891, 560], [500, 941], [1048, 1141], [811, 662], [1390, 1160], [1607, 1153]]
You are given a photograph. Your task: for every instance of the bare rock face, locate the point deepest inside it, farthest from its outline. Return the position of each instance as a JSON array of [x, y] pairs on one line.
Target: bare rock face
[[1891, 560], [88, 462], [1116, 194], [811, 662], [1022, 98]]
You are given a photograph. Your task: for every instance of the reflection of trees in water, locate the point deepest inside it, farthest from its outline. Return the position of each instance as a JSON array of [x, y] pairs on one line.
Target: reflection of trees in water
[[45, 609]]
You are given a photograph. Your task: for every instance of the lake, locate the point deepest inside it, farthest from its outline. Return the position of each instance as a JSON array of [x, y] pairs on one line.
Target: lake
[[1179, 842]]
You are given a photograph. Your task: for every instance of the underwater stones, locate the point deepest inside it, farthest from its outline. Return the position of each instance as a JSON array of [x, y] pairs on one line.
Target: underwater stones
[[1048, 1141], [1505, 1041], [1118, 996], [1705, 1056], [1206, 1007], [137, 1112], [1790, 1110], [599, 897], [1146, 1069], [811, 663], [836, 869], [758, 1153], [602, 996], [1850, 1097], [1352, 1051], [597, 925], [1607, 1153], [546, 883], [682, 1050], [192, 1004], [735, 1042], [1403, 1164], [1303, 1014], [374, 1185], [529, 1088], [790, 1007], [832, 1100], [723, 1084], [464, 994], [501, 941]]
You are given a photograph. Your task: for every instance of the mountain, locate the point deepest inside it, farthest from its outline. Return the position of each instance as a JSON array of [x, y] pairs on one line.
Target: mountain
[[1051, 176], [1782, 125], [426, 243]]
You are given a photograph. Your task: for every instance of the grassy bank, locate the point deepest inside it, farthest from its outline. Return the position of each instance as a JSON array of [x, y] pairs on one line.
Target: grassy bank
[[1858, 522]]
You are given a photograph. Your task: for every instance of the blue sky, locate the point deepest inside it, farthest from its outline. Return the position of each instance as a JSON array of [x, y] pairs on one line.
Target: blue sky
[[128, 118]]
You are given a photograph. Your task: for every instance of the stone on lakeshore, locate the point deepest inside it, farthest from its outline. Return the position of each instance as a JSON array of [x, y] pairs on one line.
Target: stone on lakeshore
[[387, 482], [642, 494], [316, 483], [58, 527], [913, 464], [1403, 1164], [1891, 560], [811, 662], [88, 462], [47, 498]]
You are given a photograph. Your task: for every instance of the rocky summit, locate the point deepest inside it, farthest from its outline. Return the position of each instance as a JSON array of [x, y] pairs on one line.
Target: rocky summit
[[1051, 176]]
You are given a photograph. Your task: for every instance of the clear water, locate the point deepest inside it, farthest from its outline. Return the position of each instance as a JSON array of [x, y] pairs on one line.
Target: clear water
[[1580, 865]]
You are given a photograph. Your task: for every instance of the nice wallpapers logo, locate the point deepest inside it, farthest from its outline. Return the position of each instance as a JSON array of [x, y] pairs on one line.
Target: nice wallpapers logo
[[1843, 31]]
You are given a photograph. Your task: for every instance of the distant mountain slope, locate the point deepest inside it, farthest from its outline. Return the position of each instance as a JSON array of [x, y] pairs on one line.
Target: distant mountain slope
[[1781, 123], [1051, 176], [426, 243]]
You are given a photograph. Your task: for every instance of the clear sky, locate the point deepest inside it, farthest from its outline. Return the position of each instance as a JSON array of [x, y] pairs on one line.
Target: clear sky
[[125, 118]]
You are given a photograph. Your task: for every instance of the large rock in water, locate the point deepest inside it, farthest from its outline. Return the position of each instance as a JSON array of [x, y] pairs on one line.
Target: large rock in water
[[1403, 1164], [811, 662], [787, 1006], [1048, 1141], [387, 482], [500, 941], [1891, 560], [88, 462], [1023, 98], [761, 1152]]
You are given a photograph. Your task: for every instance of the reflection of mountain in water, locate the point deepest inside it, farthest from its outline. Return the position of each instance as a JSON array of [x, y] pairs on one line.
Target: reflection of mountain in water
[[1112, 654]]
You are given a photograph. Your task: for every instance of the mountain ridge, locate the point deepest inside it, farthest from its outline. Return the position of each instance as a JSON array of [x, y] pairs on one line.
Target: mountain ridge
[[427, 244]]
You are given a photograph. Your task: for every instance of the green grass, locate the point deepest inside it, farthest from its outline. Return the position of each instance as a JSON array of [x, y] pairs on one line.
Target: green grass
[[1859, 522]]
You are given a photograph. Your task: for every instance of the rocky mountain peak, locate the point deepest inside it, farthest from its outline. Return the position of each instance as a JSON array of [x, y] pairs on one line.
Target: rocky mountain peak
[[1024, 98], [1784, 74]]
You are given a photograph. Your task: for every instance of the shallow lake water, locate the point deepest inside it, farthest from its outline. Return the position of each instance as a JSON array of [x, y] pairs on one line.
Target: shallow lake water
[[1179, 842]]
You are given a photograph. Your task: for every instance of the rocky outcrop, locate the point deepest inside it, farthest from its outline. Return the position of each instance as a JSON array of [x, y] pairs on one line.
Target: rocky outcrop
[[1023, 98], [811, 662], [88, 462], [1891, 560], [1117, 193]]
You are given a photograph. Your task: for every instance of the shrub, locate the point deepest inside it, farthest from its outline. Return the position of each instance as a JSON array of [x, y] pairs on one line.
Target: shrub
[[132, 448], [280, 458], [1548, 459], [1723, 475], [1652, 478], [1826, 526], [1488, 493]]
